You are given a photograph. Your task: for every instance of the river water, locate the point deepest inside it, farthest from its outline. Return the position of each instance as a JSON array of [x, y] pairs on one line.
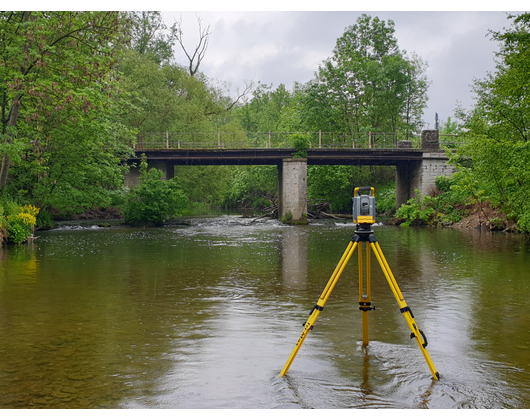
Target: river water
[[206, 315]]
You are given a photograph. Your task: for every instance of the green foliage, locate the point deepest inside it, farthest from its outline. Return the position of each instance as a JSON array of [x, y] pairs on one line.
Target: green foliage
[[301, 142], [151, 37], [54, 66], [500, 174], [18, 221], [443, 209], [497, 141], [444, 183], [416, 210], [386, 199], [288, 217], [335, 184], [253, 186], [154, 200], [503, 103], [167, 98], [208, 185], [266, 110]]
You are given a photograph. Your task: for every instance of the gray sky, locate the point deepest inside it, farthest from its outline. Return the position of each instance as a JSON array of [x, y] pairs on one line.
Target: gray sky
[[287, 46]]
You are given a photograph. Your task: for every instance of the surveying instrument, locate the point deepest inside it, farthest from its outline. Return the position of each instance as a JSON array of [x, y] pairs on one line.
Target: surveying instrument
[[364, 213]]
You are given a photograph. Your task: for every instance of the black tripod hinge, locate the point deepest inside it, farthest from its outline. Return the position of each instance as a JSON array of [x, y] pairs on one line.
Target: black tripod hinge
[[317, 307], [406, 309], [366, 306]]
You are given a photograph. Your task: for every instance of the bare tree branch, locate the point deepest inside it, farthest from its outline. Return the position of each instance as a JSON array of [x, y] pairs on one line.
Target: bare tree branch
[[197, 56], [248, 88]]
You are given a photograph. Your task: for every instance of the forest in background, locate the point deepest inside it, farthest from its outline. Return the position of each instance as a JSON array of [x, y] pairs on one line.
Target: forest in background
[[77, 88]]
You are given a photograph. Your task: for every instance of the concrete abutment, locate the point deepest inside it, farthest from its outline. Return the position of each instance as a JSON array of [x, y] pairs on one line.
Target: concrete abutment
[[421, 175]]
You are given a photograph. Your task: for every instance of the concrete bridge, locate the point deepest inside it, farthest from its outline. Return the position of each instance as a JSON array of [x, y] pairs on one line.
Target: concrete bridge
[[416, 168]]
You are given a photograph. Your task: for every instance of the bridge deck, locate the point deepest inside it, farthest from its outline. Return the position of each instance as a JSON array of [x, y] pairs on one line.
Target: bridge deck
[[270, 156]]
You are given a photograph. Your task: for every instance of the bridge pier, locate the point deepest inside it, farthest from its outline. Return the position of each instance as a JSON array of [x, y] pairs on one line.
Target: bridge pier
[[421, 175], [292, 188]]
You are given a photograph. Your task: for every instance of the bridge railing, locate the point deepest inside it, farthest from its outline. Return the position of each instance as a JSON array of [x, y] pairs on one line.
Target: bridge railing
[[222, 140]]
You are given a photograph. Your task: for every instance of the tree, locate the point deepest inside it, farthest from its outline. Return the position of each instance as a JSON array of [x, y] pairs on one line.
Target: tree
[[168, 98], [497, 129], [503, 97], [264, 111], [52, 62], [150, 36], [368, 84]]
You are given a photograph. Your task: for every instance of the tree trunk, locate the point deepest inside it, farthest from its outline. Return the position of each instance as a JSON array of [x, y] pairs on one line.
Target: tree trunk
[[6, 162]]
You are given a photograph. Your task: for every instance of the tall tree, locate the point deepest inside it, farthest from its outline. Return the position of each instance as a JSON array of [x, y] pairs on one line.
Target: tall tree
[[368, 83], [51, 61], [503, 97]]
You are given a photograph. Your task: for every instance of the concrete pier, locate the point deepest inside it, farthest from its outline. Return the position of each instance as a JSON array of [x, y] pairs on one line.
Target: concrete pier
[[292, 185]]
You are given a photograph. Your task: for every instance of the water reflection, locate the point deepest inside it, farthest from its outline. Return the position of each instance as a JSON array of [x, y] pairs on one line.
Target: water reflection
[[205, 316], [294, 259]]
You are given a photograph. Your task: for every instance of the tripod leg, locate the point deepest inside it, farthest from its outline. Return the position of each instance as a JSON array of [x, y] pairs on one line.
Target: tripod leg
[[365, 299], [319, 307], [405, 310]]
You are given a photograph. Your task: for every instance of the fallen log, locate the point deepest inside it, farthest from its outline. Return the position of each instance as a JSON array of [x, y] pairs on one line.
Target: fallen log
[[336, 216]]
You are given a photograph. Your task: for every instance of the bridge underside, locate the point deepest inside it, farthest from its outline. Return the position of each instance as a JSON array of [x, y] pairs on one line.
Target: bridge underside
[[415, 168]]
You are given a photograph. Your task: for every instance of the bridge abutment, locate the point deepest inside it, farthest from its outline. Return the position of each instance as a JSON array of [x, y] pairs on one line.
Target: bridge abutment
[[292, 188], [421, 175], [132, 177]]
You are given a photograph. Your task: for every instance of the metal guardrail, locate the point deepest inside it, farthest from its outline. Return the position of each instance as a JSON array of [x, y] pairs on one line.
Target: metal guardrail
[[221, 140]]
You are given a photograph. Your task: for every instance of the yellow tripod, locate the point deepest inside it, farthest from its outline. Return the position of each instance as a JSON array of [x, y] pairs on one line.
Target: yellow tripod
[[366, 235]]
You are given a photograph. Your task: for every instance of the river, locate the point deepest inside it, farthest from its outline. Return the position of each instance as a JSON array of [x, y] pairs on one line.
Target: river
[[206, 315]]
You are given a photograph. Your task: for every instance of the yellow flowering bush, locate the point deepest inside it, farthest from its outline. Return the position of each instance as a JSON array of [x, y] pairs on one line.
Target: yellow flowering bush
[[20, 226]]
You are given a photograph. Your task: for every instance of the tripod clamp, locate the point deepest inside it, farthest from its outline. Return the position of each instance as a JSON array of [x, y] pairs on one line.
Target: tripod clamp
[[365, 306]]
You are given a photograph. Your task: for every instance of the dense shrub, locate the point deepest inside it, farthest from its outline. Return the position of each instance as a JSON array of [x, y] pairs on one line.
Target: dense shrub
[[154, 201]]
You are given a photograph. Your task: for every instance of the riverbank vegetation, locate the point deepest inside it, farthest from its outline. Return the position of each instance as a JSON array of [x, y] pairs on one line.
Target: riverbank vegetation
[[78, 88], [492, 182]]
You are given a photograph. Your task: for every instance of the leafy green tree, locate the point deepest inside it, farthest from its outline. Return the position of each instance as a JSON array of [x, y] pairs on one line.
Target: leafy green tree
[[74, 165], [204, 184], [503, 102], [336, 183], [368, 84], [168, 98], [52, 62]]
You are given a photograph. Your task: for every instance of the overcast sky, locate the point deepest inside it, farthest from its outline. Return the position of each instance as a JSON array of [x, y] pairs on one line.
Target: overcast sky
[[288, 46]]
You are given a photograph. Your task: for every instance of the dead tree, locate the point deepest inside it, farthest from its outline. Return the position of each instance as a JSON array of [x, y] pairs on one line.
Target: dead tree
[[195, 58]]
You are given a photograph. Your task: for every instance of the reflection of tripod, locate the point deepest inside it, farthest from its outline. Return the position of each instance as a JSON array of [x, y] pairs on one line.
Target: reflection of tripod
[[364, 234]]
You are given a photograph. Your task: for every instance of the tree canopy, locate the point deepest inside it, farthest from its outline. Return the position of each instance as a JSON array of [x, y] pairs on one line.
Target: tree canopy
[[368, 84]]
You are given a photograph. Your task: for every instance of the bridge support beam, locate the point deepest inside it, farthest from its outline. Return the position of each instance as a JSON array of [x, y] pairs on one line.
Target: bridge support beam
[[292, 187]]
